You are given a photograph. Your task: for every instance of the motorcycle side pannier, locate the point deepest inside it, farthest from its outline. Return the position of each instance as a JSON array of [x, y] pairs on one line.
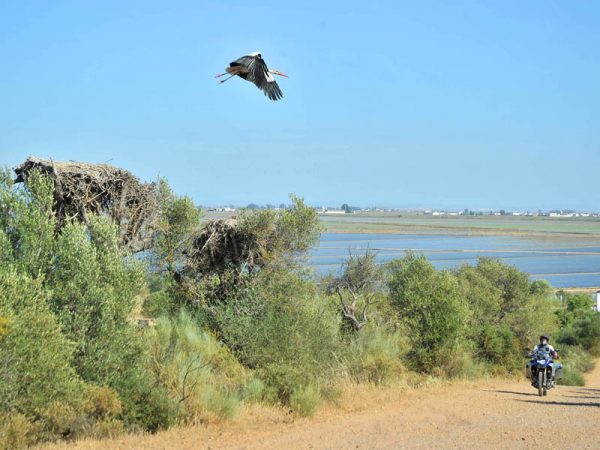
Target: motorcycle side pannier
[[558, 372]]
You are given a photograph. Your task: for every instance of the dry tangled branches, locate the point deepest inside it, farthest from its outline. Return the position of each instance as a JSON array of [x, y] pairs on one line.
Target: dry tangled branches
[[82, 189], [227, 244]]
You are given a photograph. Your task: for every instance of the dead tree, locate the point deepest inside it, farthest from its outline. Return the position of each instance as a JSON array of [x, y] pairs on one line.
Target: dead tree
[[356, 288]]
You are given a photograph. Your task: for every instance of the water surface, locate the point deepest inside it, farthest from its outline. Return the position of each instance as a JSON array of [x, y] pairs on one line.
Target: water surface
[[562, 262]]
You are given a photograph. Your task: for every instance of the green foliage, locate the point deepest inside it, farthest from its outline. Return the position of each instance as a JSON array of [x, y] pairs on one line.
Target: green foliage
[[305, 399], [254, 390], [101, 402], [499, 345], [282, 329], [180, 219], [4, 327], [16, 431], [73, 364], [94, 294], [298, 228], [507, 312], [430, 305], [461, 364], [280, 236], [580, 323], [32, 373], [75, 292], [27, 223], [576, 361], [198, 372], [572, 378], [375, 355]]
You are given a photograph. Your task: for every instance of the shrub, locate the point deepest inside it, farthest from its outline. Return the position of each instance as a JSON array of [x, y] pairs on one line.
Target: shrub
[[33, 374], [281, 328], [16, 431], [108, 429], [4, 327], [576, 361], [430, 305], [375, 355], [572, 377], [75, 291], [254, 390], [180, 218], [580, 324], [101, 402], [59, 419], [507, 312], [499, 346], [460, 364], [198, 372], [305, 399]]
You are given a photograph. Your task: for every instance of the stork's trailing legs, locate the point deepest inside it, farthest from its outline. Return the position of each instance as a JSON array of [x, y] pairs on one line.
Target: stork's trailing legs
[[223, 81], [232, 71]]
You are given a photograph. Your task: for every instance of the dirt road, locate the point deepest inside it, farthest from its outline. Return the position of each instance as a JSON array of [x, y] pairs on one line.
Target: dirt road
[[485, 414]]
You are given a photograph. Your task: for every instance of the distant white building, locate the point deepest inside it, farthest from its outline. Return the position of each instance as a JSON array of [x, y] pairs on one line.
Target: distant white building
[[333, 211], [597, 301]]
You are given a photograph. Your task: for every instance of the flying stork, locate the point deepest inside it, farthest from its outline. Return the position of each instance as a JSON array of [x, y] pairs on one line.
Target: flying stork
[[254, 69]]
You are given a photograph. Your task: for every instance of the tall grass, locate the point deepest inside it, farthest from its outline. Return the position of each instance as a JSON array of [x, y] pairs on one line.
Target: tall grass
[[198, 371]]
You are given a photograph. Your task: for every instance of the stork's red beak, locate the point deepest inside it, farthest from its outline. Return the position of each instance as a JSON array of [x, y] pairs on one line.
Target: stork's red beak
[[282, 74]]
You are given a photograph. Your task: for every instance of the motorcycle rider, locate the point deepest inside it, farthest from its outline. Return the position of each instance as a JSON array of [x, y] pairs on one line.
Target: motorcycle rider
[[545, 344]]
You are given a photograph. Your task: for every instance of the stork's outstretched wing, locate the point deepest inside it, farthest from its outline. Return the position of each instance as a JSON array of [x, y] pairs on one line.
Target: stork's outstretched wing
[[259, 74]]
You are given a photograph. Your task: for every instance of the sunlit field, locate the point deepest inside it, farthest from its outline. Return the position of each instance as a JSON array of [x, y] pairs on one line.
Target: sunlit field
[[398, 222]]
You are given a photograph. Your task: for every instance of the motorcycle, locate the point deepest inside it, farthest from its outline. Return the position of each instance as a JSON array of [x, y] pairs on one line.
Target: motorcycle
[[543, 371]]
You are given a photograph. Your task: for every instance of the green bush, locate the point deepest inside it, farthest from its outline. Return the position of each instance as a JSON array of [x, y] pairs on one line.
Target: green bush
[[95, 291], [507, 312], [16, 431], [500, 346], [198, 372], [572, 378], [108, 429], [35, 358], [462, 364], [75, 291], [576, 361], [375, 355], [305, 399], [430, 305], [282, 329], [254, 390], [580, 324]]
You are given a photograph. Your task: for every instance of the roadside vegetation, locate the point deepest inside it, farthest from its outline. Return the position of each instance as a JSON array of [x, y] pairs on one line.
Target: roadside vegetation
[[231, 315]]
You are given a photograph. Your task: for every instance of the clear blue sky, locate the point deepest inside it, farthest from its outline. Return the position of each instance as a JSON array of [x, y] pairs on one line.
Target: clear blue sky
[[409, 104]]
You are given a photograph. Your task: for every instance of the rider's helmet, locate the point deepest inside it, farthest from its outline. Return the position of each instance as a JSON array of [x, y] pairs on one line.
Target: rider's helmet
[[543, 338]]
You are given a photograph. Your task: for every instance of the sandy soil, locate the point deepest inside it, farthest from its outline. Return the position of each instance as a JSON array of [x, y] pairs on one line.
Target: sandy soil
[[489, 414]]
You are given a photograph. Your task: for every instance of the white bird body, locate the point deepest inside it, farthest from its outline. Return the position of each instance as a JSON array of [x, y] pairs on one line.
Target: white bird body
[[254, 69]]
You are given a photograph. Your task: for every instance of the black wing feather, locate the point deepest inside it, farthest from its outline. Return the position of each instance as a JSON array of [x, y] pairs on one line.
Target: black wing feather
[[258, 73]]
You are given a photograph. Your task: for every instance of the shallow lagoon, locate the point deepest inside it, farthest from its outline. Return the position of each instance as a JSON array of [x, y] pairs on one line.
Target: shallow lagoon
[[562, 262]]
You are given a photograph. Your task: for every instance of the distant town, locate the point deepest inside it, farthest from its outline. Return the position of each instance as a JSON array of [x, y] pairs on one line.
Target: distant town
[[347, 209]]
